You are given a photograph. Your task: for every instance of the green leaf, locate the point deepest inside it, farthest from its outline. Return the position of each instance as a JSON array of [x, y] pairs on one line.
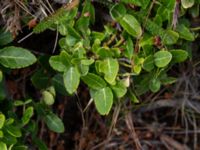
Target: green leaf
[[1, 75], [1, 134], [2, 120], [187, 3], [15, 57], [3, 146], [178, 55], [60, 62], [170, 37], [148, 64], [154, 85], [168, 80], [2, 91], [132, 97], [119, 89], [131, 25], [162, 58], [103, 100], [40, 79], [129, 48], [20, 147], [184, 32], [54, 123], [110, 68], [58, 83], [27, 115], [118, 11], [94, 81], [5, 37], [40, 144], [48, 98], [71, 79], [14, 131]]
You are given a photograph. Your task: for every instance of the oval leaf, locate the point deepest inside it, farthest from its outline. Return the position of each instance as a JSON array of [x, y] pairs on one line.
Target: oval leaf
[[148, 64], [170, 37], [103, 100], [94, 81], [179, 55], [15, 57], [3, 146], [71, 79], [110, 68], [162, 58], [117, 11], [131, 25], [155, 85], [187, 3], [14, 131], [2, 120], [27, 115], [119, 89], [54, 123]]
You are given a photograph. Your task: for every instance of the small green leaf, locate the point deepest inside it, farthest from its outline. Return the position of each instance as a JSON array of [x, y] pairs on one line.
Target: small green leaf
[[132, 97], [170, 37], [110, 68], [154, 85], [54, 123], [1, 75], [60, 62], [184, 32], [131, 25], [20, 147], [58, 83], [187, 3], [40, 79], [27, 115], [178, 55], [2, 120], [118, 11], [137, 69], [39, 143], [94, 81], [168, 80], [71, 79], [148, 64], [129, 48], [1, 134], [162, 58], [119, 89], [14, 131], [3, 146], [16, 57], [48, 98], [103, 100], [5, 37]]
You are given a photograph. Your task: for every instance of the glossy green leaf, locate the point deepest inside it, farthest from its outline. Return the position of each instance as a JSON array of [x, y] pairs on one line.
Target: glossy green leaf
[[178, 55], [27, 115], [131, 25], [1, 134], [187, 3], [119, 89], [103, 100], [48, 98], [60, 62], [94, 81], [3, 146], [118, 11], [54, 123], [162, 58], [2, 120], [14, 131], [184, 32], [154, 85], [170, 37], [71, 79], [148, 64], [16, 57], [110, 68]]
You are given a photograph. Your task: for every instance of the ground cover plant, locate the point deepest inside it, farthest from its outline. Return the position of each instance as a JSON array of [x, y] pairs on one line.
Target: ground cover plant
[[118, 52]]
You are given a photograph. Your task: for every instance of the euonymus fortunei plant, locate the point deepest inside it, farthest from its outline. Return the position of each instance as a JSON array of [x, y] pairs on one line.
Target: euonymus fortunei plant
[[128, 57]]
